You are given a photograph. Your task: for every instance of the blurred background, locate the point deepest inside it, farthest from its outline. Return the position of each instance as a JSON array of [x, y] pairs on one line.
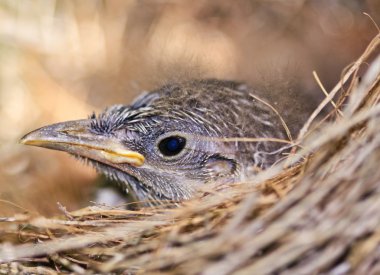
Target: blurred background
[[61, 60]]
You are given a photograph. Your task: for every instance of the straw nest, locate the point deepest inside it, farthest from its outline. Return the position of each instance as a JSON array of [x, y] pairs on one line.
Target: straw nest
[[317, 212]]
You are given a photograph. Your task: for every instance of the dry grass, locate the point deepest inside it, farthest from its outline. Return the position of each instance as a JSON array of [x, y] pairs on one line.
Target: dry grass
[[321, 214]]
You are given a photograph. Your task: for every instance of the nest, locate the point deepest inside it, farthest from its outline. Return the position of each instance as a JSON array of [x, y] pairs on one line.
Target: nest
[[316, 212]]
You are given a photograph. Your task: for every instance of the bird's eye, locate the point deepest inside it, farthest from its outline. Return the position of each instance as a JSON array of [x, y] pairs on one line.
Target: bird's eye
[[172, 146]]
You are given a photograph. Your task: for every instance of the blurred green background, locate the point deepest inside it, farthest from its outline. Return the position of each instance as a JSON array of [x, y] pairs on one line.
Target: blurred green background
[[61, 60]]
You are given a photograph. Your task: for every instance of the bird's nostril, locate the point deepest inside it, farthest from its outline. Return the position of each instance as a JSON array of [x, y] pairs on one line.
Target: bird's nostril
[[72, 131]]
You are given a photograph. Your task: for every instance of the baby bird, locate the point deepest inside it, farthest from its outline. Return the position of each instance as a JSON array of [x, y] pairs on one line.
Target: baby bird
[[173, 140]]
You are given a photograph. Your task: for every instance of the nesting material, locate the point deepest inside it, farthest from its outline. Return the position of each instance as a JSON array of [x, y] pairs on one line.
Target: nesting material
[[318, 211]]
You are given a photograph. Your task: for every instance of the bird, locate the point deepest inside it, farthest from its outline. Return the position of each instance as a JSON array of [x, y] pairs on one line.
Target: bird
[[171, 141]]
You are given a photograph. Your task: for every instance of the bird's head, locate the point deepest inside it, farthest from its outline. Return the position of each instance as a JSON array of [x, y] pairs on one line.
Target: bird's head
[[172, 140]]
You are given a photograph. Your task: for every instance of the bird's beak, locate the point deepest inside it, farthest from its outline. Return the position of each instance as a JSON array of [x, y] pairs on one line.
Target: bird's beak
[[75, 137]]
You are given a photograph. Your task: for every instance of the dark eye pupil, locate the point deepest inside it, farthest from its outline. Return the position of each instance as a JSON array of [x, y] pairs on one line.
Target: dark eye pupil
[[172, 146]]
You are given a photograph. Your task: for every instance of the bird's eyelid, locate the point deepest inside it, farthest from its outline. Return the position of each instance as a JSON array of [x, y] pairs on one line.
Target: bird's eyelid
[[174, 133]]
